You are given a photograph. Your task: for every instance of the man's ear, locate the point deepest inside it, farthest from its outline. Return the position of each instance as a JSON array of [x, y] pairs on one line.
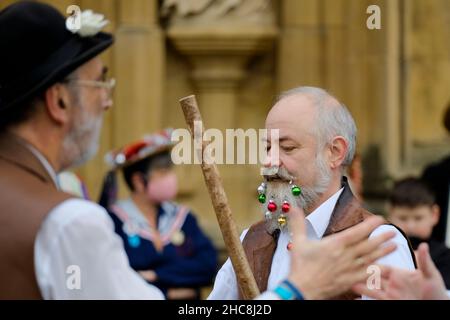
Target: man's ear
[[138, 182], [338, 150], [436, 213], [57, 101]]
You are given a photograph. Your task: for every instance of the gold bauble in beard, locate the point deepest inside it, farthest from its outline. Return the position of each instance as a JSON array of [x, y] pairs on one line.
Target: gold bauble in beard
[[282, 220]]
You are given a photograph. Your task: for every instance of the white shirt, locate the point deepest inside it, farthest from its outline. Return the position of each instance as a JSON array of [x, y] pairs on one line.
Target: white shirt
[[225, 285], [79, 256]]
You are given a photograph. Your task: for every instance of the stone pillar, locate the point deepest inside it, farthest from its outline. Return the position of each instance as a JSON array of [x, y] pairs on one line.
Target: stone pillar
[[300, 59], [139, 60], [391, 106]]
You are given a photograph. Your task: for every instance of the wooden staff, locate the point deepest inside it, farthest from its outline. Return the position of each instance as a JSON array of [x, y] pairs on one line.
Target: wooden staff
[[219, 200]]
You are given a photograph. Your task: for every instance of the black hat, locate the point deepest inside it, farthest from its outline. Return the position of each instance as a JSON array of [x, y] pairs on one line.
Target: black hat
[[38, 50]]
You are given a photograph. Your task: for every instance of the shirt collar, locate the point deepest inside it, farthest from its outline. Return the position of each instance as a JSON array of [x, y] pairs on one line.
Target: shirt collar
[[318, 220], [168, 213], [44, 163]]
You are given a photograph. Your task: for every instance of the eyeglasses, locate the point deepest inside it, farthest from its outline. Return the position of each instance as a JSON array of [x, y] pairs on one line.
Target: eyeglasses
[[107, 84]]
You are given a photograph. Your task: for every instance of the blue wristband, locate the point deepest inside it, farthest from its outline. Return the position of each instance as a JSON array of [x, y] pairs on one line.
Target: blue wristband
[[287, 291], [298, 294]]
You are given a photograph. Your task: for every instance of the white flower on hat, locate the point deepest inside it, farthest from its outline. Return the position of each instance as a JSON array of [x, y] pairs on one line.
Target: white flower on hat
[[87, 24]]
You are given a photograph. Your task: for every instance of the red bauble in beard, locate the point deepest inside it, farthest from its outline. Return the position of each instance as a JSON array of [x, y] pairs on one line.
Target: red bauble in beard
[[277, 198], [279, 193]]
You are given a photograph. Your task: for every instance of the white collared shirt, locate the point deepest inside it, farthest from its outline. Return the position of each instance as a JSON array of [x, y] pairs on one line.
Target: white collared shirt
[[225, 285], [318, 220]]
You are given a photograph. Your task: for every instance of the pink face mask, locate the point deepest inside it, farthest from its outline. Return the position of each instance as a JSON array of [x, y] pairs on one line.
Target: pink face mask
[[162, 188]]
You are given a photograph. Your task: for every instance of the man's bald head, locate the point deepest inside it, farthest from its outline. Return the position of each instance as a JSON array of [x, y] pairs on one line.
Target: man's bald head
[[318, 113]]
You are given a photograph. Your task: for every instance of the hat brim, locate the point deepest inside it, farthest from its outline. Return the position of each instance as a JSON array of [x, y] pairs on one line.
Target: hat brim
[[67, 59]]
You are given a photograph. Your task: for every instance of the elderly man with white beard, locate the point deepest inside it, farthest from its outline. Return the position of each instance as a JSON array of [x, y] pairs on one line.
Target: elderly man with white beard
[[316, 143]]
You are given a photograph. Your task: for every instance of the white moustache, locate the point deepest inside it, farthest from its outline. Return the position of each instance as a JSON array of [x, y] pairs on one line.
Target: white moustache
[[276, 173]]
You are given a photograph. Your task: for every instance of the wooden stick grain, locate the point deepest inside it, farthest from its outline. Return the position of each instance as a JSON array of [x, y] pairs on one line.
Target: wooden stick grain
[[219, 200]]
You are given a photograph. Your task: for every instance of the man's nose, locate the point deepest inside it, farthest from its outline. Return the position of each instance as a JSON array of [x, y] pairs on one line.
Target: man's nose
[[272, 159]]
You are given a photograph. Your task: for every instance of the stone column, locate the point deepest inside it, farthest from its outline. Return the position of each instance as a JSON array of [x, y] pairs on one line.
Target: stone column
[[140, 61]]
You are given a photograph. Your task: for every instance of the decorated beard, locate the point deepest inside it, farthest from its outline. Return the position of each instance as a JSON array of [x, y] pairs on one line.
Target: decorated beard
[[278, 194]]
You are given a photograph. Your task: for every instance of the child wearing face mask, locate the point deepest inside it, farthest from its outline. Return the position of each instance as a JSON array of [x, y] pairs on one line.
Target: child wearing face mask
[[161, 238], [412, 207]]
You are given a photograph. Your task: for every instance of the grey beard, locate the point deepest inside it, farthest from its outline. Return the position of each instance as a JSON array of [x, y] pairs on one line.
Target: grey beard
[[280, 191], [81, 144]]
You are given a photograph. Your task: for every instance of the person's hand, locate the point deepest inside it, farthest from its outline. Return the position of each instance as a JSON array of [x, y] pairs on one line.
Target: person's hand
[[425, 283], [323, 269], [149, 275]]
